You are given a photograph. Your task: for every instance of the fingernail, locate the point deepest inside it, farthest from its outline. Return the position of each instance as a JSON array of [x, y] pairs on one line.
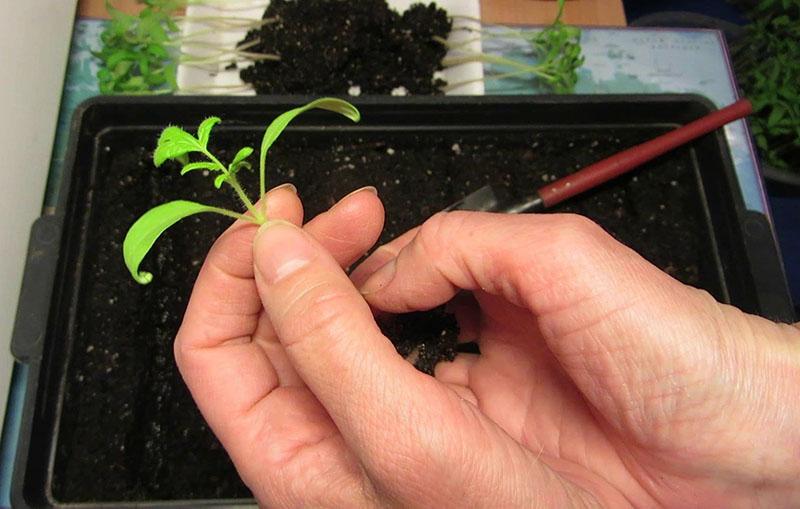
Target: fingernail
[[288, 186], [280, 250], [381, 278], [370, 189]]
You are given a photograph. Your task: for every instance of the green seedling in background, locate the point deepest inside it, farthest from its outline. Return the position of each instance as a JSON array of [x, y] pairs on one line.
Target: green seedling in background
[[557, 49], [141, 53], [767, 65], [178, 145]]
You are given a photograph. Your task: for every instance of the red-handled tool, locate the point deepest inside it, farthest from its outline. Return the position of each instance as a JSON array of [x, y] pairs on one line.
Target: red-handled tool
[[609, 168]]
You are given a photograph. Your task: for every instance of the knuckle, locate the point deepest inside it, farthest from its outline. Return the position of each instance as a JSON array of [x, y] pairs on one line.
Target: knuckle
[[431, 230], [428, 240], [437, 235], [580, 226], [580, 235], [318, 310]]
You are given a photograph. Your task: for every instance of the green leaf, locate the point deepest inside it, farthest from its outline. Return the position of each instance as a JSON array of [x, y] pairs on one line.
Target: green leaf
[[144, 65], [120, 56], [104, 74], [278, 125], [150, 29], [204, 165], [172, 26], [173, 143], [120, 18], [148, 228], [243, 164], [106, 87], [121, 69], [221, 179], [775, 117], [239, 159], [154, 79], [204, 131], [158, 51], [134, 84], [170, 73]]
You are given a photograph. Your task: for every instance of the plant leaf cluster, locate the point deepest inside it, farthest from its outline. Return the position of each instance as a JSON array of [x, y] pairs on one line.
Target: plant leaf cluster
[[556, 49], [767, 65], [176, 144], [559, 50], [136, 57]]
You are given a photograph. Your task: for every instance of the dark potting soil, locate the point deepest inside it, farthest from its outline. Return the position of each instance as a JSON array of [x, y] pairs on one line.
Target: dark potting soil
[[328, 46], [423, 338], [129, 429]]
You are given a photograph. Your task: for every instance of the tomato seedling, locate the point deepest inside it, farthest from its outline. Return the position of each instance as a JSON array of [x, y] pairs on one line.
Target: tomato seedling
[[177, 144], [556, 48], [141, 53]]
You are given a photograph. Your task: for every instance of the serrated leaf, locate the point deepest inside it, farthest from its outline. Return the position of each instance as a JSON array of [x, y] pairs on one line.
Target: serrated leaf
[[174, 142], [203, 165], [148, 228], [204, 130]]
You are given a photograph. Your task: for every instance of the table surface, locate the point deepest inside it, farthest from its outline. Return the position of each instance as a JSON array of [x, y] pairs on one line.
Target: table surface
[[542, 12]]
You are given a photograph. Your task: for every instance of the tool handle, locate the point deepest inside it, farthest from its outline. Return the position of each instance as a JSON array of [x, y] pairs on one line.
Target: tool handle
[[624, 161]]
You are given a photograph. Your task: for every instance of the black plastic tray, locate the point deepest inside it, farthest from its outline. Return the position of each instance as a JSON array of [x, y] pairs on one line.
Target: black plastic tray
[[743, 243]]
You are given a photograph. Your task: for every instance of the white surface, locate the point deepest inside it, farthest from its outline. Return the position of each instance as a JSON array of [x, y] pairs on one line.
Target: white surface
[[34, 46], [217, 80]]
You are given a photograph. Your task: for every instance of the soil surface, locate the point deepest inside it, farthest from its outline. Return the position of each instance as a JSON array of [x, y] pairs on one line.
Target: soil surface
[[331, 46], [129, 429]]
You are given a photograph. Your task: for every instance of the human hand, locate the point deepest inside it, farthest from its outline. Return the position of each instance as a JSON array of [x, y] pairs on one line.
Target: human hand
[[316, 408], [620, 379], [280, 438]]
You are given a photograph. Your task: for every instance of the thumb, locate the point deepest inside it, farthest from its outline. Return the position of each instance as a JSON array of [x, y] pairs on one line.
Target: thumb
[[329, 333]]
